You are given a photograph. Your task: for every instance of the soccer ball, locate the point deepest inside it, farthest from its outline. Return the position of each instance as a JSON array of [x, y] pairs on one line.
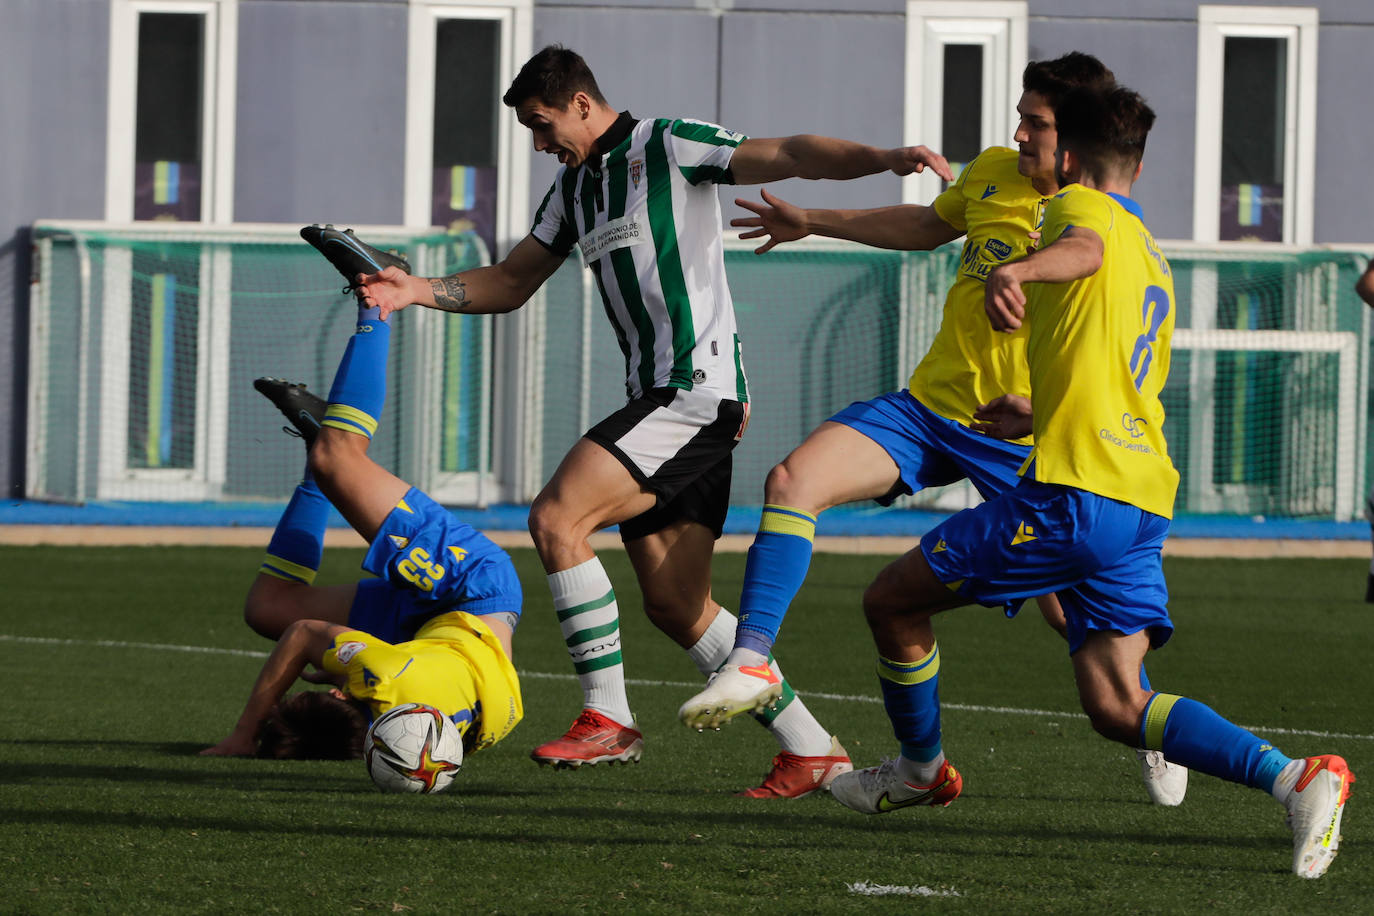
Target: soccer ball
[[413, 748]]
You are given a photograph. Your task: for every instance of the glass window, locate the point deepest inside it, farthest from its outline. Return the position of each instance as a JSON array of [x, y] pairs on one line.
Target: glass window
[[1255, 162], [467, 102], [1253, 150], [169, 116], [962, 105]]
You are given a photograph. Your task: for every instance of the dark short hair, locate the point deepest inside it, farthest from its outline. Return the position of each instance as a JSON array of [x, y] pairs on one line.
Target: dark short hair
[[1105, 130], [1053, 79], [553, 76], [313, 725]]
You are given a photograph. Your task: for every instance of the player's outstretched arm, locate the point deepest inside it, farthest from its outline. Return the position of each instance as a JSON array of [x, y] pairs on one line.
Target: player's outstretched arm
[[501, 287], [1365, 285], [303, 641], [759, 160], [1077, 253], [905, 227]]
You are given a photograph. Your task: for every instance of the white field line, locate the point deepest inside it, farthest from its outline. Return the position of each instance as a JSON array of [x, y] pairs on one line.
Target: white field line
[[642, 682], [866, 889]]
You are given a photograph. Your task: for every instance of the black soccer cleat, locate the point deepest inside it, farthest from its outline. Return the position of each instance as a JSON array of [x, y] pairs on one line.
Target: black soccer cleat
[[304, 409], [349, 254]]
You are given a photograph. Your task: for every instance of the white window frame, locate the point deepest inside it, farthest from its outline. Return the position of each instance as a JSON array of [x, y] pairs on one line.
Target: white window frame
[[217, 105], [1299, 26], [1000, 27], [512, 193], [512, 224]]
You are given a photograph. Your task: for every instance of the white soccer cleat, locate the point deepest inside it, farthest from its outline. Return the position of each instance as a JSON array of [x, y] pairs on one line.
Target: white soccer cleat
[[879, 789], [730, 691], [1315, 806], [1166, 782]]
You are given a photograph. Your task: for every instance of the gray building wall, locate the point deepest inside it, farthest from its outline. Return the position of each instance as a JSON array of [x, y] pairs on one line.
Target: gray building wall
[[321, 110]]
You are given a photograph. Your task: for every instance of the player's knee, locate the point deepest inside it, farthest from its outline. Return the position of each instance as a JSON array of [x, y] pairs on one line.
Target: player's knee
[[261, 611], [779, 488], [272, 605], [543, 520]]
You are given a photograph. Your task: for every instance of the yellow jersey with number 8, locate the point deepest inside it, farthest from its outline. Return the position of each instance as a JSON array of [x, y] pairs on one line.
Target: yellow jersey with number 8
[[1099, 356]]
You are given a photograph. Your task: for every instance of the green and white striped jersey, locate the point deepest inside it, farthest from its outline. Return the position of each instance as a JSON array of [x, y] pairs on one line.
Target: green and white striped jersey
[[647, 219]]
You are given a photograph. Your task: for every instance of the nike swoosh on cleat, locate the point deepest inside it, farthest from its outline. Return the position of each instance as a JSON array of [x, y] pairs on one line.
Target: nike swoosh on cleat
[[887, 804], [362, 254], [762, 672], [1313, 769]]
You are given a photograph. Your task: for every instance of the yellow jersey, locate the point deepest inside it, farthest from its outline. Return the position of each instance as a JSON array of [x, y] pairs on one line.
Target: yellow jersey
[[1099, 355], [454, 663], [969, 363]]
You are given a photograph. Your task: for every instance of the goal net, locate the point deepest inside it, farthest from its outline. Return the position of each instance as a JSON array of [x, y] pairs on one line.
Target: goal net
[[145, 339]]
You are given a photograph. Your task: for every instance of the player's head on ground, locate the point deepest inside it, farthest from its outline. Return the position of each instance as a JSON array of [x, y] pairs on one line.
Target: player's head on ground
[[1102, 137], [314, 725], [1044, 83], [556, 96]]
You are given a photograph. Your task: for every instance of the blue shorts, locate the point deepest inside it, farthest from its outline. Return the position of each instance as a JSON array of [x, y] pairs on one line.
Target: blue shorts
[[1100, 556], [931, 451], [429, 563]]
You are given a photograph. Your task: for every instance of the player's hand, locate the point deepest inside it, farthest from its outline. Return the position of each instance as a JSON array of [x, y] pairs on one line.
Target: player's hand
[[235, 745], [1034, 244], [1006, 416], [910, 159], [1004, 300], [389, 290], [775, 218]]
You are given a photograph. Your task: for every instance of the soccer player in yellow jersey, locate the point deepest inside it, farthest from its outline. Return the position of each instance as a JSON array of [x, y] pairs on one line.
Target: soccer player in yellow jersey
[[434, 627], [931, 433], [1091, 512]]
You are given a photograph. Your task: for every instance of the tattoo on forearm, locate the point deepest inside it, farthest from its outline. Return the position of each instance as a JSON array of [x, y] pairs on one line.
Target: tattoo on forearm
[[450, 294]]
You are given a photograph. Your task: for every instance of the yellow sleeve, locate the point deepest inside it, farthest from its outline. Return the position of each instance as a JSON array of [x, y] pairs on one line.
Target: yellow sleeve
[[950, 203], [1076, 207], [368, 662]]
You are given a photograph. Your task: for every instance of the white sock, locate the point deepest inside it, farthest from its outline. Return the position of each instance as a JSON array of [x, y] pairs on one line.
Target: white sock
[[795, 728], [708, 653], [1288, 778], [918, 773], [746, 658], [590, 621]]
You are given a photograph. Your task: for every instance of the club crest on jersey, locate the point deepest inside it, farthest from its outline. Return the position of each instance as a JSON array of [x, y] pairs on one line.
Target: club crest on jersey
[[698, 375], [348, 650], [636, 171]]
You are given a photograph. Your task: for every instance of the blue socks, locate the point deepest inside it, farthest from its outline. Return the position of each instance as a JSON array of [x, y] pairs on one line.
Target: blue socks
[[359, 390], [911, 695], [773, 574], [297, 543], [1191, 734]]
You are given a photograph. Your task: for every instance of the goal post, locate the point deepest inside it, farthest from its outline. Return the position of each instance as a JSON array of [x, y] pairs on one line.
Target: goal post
[[144, 340]]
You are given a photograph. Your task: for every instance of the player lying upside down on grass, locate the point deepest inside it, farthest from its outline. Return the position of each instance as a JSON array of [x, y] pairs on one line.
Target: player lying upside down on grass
[[434, 628]]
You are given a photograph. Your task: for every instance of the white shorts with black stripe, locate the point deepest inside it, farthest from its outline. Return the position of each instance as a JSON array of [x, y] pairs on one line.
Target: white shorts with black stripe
[[677, 444]]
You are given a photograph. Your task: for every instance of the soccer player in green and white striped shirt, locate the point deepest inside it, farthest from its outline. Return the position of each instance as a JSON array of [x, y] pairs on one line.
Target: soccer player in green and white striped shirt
[[638, 198]]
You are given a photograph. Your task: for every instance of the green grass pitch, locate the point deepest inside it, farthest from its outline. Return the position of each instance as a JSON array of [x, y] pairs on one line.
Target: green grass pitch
[[119, 665]]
